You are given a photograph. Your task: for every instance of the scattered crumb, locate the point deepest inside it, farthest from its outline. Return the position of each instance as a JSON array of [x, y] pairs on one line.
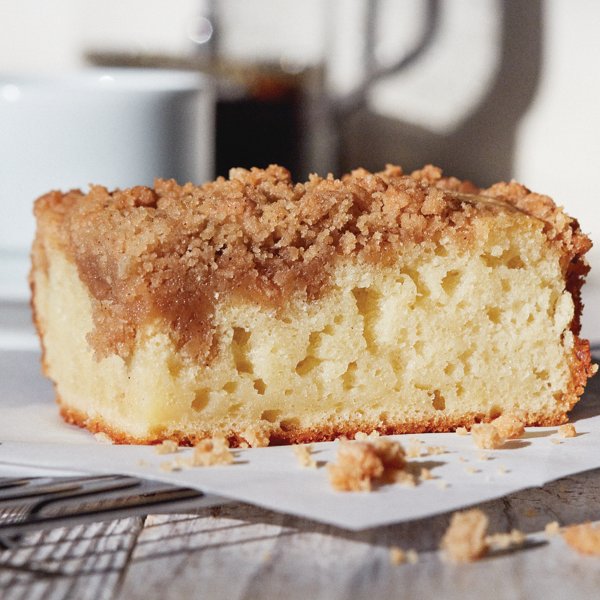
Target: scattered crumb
[[552, 528], [210, 452], [425, 474], [486, 436], [103, 438], [442, 484], [555, 441], [483, 456], [361, 436], [397, 555], [166, 447], [412, 557], [169, 466], [435, 450], [462, 431], [142, 463], [413, 449], [472, 470], [584, 538], [502, 470], [303, 454], [465, 538], [502, 541], [257, 438], [359, 464], [509, 426], [405, 478], [567, 431], [463, 459]]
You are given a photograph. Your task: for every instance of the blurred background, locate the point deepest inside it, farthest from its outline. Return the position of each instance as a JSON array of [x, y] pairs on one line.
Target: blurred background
[[488, 89]]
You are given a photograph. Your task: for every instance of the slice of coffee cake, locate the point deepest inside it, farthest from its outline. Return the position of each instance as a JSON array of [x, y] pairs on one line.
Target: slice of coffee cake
[[268, 311]]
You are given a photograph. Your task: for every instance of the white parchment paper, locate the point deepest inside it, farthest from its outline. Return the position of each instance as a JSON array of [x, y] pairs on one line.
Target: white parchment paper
[[33, 436]]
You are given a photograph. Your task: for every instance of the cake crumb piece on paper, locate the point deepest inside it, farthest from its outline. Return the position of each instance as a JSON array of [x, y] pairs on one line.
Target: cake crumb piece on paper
[[397, 556], [555, 441], [413, 450], [405, 478], [552, 528], [435, 450], [211, 452], [584, 538], [567, 431], [169, 465], [472, 470], [166, 447], [465, 538], [463, 459], [412, 557], [443, 484], [502, 470], [103, 438], [360, 464], [503, 541], [257, 438], [303, 454], [509, 426], [425, 474], [361, 436], [486, 436], [483, 456], [462, 431]]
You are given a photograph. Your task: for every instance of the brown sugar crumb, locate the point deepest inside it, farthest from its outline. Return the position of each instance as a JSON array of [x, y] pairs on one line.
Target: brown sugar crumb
[[166, 447], [360, 464], [211, 452], [552, 528], [303, 454], [503, 541], [584, 538], [567, 431], [462, 431], [465, 538]]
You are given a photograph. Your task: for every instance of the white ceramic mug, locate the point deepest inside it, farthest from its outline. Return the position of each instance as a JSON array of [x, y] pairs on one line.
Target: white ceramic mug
[[115, 127]]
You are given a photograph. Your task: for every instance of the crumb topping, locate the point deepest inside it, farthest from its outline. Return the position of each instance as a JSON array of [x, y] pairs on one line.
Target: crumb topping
[[171, 251], [465, 539], [584, 538]]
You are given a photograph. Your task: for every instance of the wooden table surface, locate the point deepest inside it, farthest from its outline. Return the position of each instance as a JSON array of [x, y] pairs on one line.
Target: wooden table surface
[[238, 551]]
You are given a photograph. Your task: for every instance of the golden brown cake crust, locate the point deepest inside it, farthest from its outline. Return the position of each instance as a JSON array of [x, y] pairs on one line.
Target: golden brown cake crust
[[169, 252]]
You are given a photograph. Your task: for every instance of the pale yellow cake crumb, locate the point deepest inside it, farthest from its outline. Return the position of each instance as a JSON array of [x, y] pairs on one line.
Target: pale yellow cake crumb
[[442, 484], [465, 538], [166, 447], [483, 456], [463, 459], [509, 426], [257, 438], [472, 470], [462, 431], [502, 470], [555, 441], [361, 436], [567, 430], [435, 450], [169, 465], [425, 474], [552, 528], [413, 450], [502, 541], [584, 538], [486, 436], [103, 438], [405, 478], [210, 452], [397, 556], [303, 454], [412, 557]]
